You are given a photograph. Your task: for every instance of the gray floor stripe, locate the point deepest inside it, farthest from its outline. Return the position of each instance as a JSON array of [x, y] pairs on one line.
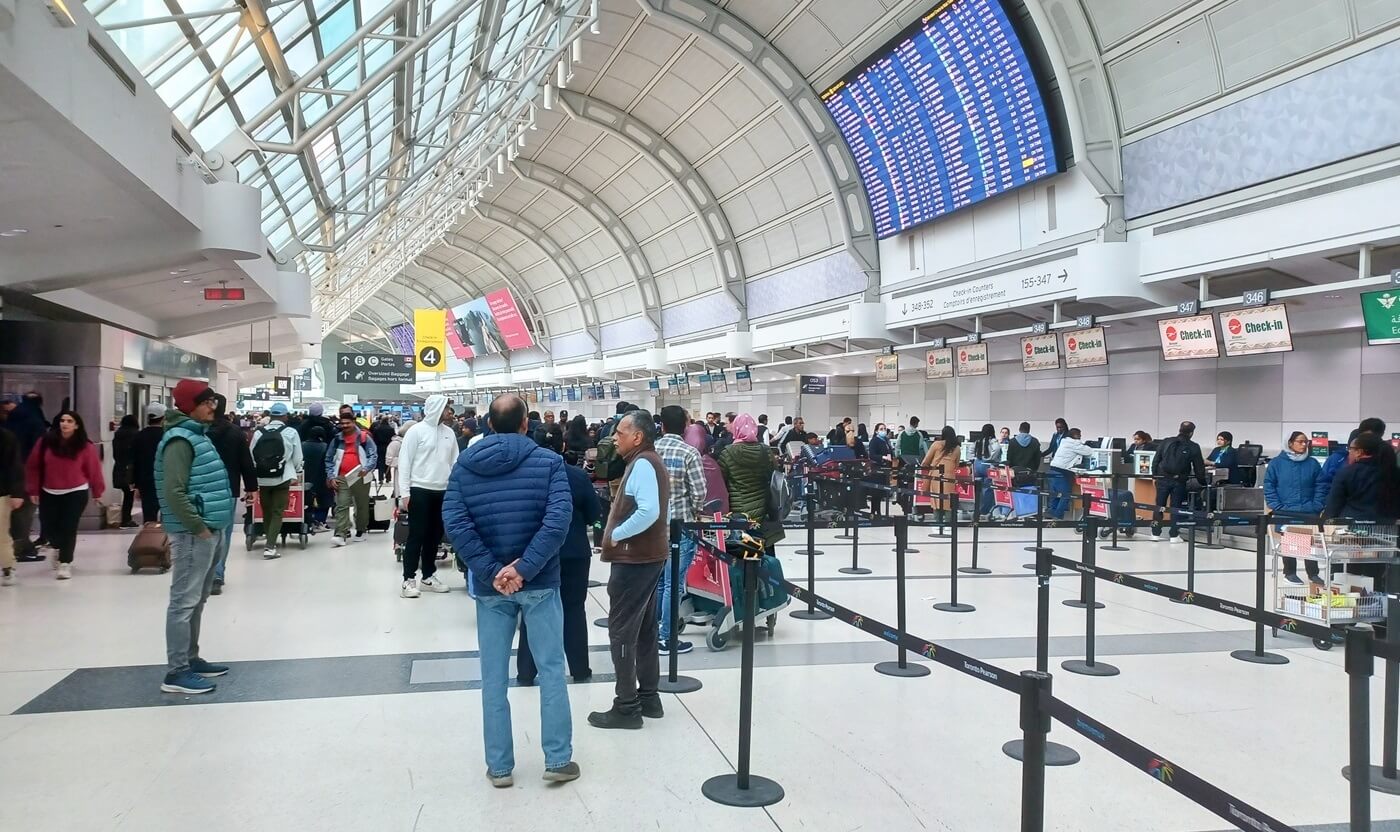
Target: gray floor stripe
[[104, 688], [1059, 573]]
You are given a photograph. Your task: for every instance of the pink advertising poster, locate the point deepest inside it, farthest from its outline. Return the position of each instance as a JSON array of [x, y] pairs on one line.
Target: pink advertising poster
[[487, 326]]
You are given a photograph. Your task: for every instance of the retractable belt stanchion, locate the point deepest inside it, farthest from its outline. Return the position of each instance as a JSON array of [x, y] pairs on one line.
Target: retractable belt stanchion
[[1190, 564], [855, 568], [1208, 496], [671, 682], [850, 533], [940, 532], [1257, 655], [1360, 667], [1089, 667], [1039, 514], [1086, 579], [810, 490], [908, 550], [952, 604], [742, 788], [811, 613], [1035, 726], [1384, 777], [974, 569], [1055, 754], [1113, 492], [901, 666]]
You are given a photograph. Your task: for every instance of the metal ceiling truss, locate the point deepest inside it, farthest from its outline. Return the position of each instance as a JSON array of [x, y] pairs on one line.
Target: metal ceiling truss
[[497, 265], [562, 261], [696, 192], [371, 320], [612, 225], [426, 266], [737, 38]]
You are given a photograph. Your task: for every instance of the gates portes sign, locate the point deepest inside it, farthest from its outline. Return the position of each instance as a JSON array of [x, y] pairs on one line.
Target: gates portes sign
[[938, 363], [371, 368], [1086, 348], [1040, 352], [1189, 337], [972, 359], [1256, 330]]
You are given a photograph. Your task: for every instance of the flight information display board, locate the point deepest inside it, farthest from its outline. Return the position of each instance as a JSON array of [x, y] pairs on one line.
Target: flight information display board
[[947, 115]]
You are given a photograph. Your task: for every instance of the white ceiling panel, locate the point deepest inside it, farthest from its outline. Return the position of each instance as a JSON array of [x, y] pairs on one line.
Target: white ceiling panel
[[1372, 14], [1115, 21], [762, 15], [1255, 37], [807, 43], [1175, 71]]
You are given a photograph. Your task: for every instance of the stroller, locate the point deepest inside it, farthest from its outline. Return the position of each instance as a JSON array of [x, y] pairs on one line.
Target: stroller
[[711, 584]]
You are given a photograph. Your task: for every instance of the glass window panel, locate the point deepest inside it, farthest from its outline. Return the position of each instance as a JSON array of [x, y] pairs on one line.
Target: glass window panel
[[215, 127], [255, 95], [301, 56], [338, 27]]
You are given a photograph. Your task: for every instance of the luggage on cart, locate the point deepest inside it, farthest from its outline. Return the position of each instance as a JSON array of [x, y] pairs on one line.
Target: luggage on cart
[[294, 521], [150, 549], [1120, 510], [716, 588]]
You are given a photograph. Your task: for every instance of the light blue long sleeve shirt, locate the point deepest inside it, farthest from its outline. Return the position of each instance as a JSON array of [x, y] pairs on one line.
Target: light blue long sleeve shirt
[[641, 487]]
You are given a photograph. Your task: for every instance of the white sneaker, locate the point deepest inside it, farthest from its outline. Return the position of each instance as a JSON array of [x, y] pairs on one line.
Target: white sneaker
[[433, 584], [270, 554], [410, 589], [337, 541], [1156, 537], [359, 538], [1176, 538], [7, 578], [65, 571]]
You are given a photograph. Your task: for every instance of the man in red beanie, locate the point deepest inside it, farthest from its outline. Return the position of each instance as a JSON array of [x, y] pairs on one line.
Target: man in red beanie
[[196, 506]]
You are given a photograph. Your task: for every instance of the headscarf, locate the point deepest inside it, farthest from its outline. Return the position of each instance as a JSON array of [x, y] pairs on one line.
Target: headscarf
[[697, 437], [744, 428]]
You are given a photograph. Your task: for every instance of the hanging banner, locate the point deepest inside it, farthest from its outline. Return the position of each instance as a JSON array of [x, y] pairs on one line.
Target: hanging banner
[[1381, 312], [704, 382], [743, 381], [718, 383], [1256, 330], [972, 360], [811, 385], [1086, 348], [1040, 352], [887, 368], [487, 326], [938, 363], [430, 340], [1190, 337]]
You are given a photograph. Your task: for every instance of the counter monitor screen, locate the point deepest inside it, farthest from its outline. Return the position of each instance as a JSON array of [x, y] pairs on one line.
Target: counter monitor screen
[[947, 115]]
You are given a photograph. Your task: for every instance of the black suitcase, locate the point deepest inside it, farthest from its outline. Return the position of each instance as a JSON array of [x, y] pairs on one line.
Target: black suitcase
[[400, 536], [381, 513]]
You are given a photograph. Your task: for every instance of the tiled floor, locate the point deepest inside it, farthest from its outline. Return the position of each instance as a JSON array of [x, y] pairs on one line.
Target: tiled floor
[[350, 708]]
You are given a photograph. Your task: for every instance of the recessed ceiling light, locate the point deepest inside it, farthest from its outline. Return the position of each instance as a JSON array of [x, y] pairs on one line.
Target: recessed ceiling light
[[187, 280], [14, 232]]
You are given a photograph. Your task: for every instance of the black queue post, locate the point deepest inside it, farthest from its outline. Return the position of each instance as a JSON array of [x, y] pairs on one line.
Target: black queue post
[[1055, 753], [900, 667], [672, 682], [811, 613], [1258, 655]]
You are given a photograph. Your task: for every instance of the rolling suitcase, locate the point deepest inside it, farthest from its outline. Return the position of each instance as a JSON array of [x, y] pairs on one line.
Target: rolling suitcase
[[400, 536], [150, 549], [381, 511]]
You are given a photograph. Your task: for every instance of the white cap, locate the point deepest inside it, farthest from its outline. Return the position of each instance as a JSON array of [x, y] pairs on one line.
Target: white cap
[[155, 410]]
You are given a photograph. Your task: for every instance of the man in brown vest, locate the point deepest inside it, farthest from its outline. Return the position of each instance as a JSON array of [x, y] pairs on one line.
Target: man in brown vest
[[636, 542]]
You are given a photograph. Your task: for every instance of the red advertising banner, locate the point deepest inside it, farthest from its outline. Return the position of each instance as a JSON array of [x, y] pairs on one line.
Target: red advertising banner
[[487, 326]]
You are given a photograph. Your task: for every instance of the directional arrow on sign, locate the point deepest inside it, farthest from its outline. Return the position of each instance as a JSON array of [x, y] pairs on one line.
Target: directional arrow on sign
[[344, 375], [344, 360], [1063, 275]]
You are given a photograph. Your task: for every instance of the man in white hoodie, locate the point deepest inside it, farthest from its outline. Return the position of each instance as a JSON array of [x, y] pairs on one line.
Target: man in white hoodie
[[426, 457]]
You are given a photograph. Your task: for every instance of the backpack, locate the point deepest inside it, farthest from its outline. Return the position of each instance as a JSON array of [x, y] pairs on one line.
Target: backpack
[[779, 496], [1175, 459], [608, 464], [269, 457]]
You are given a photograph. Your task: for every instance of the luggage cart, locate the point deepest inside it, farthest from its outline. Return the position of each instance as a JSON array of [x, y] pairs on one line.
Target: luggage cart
[[1328, 602], [709, 586], [293, 519]]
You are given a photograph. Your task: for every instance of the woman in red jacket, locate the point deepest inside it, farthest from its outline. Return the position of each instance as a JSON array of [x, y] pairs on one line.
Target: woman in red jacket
[[62, 473]]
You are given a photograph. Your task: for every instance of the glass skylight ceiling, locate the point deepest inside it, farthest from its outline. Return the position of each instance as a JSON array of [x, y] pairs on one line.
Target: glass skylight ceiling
[[356, 155]]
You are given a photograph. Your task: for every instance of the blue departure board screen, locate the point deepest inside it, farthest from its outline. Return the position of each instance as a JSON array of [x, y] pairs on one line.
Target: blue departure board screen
[[946, 116]]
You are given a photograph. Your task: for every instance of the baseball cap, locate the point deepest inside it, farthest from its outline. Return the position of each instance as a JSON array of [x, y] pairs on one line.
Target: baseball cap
[[316, 409], [278, 409], [189, 393], [155, 410]]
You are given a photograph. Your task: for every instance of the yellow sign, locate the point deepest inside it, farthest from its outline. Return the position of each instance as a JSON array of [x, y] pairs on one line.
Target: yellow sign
[[430, 340]]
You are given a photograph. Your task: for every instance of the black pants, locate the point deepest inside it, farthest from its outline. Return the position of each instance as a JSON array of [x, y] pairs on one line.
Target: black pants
[[632, 632], [877, 500], [1173, 492], [128, 501], [150, 502], [424, 533], [573, 592], [21, 522], [59, 515]]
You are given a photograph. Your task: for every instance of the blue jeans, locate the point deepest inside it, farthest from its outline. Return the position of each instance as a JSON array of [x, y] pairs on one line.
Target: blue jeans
[[496, 616], [191, 578], [663, 588], [1059, 482], [221, 554]]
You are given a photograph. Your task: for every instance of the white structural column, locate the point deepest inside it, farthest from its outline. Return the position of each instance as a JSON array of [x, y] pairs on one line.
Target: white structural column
[[612, 224], [561, 259], [726, 30], [688, 183]]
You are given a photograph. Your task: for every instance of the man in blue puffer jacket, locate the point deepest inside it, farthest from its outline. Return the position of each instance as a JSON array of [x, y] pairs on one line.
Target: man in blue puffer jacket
[[507, 511]]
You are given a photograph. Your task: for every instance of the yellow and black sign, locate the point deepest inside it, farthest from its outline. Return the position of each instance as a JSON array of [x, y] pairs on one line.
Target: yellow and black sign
[[430, 340]]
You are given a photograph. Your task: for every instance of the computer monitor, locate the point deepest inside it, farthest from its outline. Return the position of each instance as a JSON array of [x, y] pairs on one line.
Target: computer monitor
[[1119, 444]]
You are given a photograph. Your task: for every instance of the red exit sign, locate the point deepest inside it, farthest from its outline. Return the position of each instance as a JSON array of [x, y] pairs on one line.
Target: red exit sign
[[223, 293]]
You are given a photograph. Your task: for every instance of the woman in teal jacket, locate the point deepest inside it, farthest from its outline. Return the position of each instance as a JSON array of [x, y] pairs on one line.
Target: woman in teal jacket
[[1292, 484]]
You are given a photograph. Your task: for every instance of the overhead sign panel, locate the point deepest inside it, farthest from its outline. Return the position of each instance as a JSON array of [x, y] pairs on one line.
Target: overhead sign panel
[[812, 385], [1189, 337], [938, 363], [1040, 352], [887, 368], [1086, 348], [947, 115], [430, 340], [363, 368], [972, 360], [1381, 311], [1045, 281], [1256, 330]]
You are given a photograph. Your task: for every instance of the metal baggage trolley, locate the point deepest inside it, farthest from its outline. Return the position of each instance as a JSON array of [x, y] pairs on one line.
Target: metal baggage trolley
[[293, 519]]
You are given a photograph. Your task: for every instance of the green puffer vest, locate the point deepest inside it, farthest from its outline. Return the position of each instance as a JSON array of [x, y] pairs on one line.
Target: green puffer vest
[[208, 487]]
